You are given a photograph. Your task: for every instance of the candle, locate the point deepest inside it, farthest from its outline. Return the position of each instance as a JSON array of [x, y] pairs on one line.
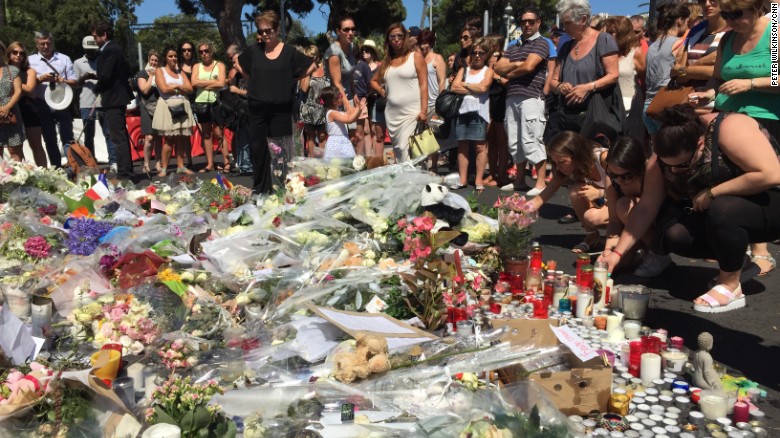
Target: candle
[[106, 364], [713, 404], [650, 368], [677, 342], [613, 322], [631, 328], [599, 285], [136, 372], [464, 328], [150, 376], [584, 303], [741, 412], [635, 301], [674, 360], [162, 430]]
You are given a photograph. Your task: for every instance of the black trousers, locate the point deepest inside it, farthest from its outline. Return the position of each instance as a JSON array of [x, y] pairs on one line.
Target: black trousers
[[265, 121], [117, 130], [723, 231]]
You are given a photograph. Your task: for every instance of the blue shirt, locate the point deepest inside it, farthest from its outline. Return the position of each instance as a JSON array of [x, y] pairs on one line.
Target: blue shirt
[[553, 50]]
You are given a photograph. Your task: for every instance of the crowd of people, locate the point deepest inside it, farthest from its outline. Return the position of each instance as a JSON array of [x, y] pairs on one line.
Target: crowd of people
[[698, 179]]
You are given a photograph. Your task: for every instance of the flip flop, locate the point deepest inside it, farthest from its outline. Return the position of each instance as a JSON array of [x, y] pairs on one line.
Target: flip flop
[[568, 219], [584, 246], [457, 186], [736, 300]]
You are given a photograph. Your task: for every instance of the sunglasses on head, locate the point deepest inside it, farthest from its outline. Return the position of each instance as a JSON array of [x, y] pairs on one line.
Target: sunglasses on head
[[733, 15], [626, 177]]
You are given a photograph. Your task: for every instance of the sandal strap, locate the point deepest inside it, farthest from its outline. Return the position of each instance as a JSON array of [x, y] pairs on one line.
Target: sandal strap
[[721, 289], [711, 301], [768, 258]]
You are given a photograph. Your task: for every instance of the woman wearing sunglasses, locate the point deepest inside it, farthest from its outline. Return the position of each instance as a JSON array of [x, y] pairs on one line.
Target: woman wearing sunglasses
[[635, 192], [17, 56], [723, 172], [741, 81]]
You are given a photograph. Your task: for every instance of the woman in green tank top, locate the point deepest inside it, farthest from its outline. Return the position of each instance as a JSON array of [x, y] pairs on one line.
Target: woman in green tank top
[[742, 80], [208, 78]]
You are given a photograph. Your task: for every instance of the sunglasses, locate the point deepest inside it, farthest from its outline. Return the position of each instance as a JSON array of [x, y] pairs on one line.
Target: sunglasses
[[186, 49], [204, 51], [733, 15], [465, 38], [396, 36], [479, 53], [18, 52], [678, 166], [529, 21], [626, 177], [348, 30], [267, 31]]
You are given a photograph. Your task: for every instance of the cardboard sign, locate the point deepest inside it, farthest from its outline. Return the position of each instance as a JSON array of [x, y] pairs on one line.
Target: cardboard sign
[[576, 344]]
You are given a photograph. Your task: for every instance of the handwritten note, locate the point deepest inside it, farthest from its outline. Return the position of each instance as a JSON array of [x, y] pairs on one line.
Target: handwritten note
[[576, 344]]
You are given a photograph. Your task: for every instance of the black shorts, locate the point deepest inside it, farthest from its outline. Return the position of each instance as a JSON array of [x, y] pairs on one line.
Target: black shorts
[[202, 112], [29, 112]]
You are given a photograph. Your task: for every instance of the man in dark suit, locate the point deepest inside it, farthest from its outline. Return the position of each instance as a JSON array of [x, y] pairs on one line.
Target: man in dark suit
[[115, 94]]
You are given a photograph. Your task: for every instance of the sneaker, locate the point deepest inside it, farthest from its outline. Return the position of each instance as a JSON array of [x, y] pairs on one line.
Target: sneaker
[[652, 265], [508, 187], [113, 168], [533, 192]]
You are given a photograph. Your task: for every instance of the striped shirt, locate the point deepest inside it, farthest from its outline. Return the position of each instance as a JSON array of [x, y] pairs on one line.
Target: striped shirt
[[531, 84]]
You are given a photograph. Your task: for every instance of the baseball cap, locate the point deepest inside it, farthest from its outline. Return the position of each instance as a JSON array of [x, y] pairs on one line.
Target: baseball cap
[[414, 31], [89, 43]]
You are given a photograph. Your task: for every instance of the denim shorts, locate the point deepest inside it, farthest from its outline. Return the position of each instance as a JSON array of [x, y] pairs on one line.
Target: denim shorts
[[470, 126]]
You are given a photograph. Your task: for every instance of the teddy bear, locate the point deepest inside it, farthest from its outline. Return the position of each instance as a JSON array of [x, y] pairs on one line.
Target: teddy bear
[[369, 357], [432, 200]]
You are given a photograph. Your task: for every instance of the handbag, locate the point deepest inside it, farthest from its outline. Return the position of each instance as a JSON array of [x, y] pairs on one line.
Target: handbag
[[8, 120], [177, 110], [200, 108], [448, 103], [670, 95], [423, 142]]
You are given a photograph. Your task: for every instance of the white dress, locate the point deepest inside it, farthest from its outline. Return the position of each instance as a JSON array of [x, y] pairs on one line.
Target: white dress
[[403, 105], [338, 144], [626, 78]]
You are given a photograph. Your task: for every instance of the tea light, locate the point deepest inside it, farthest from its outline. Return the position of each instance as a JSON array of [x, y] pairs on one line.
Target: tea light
[[643, 408], [675, 416], [658, 431], [638, 400], [665, 400], [686, 435], [631, 434], [657, 409], [655, 417], [679, 392], [631, 329], [637, 426], [669, 422], [648, 423], [672, 430], [641, 415], [652, 400], [650, 368], [616, 434], [683, 403], [757, 415], [759, 432], [723, 421], [464, 328], [651, 391], [631, 418]]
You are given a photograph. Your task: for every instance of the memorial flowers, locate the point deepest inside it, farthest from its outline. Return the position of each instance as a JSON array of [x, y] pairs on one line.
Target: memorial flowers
[[515, 217]]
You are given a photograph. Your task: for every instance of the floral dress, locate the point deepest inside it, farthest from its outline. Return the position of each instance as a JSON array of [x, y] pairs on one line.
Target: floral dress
[[10, 135]]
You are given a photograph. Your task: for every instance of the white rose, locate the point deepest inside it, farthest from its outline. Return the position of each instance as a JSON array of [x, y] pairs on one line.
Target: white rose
[[192, 361], [187, 277], [137, 348], [359, 162], [201, 277], [369, 263], [370, 254]]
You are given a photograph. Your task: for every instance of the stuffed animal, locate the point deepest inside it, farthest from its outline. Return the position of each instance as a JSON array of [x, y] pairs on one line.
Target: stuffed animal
[[369, 357], [432, 200]]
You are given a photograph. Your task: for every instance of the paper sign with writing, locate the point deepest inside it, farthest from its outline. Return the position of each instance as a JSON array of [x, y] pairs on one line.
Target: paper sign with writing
[[576, 344]]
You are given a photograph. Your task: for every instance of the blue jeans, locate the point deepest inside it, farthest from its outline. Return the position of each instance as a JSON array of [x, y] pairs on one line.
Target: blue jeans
[[50, 121], [241, 149], [89, 133]]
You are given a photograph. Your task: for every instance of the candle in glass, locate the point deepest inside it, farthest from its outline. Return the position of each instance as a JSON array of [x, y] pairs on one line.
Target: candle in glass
[[632, 329], [713, 404], [599, 285], [584, 303]]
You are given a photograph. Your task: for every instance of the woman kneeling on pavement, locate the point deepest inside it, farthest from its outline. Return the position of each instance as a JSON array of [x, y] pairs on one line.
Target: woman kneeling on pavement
[[581, 163], [722, 173], [635, 192]]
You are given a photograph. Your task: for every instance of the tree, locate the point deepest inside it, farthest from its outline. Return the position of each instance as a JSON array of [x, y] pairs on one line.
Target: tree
[[172, 30], [68, 20]]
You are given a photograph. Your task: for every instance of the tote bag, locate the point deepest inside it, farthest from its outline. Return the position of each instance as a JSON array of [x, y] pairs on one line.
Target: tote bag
[[423, 142]]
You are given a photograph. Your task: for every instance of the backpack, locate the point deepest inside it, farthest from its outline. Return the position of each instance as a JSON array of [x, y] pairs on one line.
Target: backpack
[[80, 158]]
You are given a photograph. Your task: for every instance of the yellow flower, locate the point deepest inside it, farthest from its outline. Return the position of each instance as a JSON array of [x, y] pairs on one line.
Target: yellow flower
[[168, 274]]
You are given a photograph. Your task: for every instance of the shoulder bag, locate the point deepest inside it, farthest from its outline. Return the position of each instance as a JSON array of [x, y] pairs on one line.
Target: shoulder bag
[[423, 142], [448, 103], [670, 95]]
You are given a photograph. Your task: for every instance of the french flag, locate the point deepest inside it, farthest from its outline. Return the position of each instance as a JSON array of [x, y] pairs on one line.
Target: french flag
[[99, 190]]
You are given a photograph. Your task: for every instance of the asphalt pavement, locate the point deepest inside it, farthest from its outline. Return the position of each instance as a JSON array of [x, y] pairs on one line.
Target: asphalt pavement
[[747, 341]]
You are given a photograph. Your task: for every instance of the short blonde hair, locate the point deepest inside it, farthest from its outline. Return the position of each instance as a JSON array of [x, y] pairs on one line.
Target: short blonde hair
[[312, 52], [269, 17]]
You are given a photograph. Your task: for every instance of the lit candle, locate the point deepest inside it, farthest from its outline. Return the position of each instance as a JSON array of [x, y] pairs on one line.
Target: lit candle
[[613, 322], [650, 368], [741, 412]]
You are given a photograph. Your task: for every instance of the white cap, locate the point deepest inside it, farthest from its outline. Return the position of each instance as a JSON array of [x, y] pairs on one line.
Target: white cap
[[89, 43]]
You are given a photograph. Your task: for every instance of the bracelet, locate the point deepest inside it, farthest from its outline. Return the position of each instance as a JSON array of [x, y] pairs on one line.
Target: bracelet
[[752, 84], [709, 193], [620, 254]]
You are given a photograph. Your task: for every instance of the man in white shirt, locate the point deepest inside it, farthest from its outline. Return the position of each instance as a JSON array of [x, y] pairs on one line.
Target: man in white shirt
[[86, 71], [52, 67]]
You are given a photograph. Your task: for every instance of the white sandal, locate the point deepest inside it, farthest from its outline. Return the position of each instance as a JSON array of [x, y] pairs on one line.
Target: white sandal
[[736, 300]]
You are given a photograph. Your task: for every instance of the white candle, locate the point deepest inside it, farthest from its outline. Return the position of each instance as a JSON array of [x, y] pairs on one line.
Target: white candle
[[599, 285], [632, 329], [713, 404], [136, 372], [149, 385], [162, 430], [650, 368], [674, 360], [613, 322], [584, 304]]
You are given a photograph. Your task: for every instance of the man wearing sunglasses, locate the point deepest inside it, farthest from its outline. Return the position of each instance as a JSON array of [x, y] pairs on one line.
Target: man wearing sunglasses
[[115, 93], [525, 65]]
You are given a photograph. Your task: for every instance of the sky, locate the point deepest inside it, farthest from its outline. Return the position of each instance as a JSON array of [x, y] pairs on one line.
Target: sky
[[315, 22]]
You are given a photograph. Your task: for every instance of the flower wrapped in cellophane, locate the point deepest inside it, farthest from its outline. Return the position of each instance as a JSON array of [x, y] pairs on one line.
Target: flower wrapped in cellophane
[[515, 217]]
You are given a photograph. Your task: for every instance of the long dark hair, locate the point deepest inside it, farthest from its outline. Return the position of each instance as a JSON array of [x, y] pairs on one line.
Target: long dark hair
[[579, 148], [680, 131], [389, 53], [668, 14], [181, 57], [627, 153]]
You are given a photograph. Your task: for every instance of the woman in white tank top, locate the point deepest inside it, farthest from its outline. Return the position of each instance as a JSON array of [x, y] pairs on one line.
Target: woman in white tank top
[[437, 75], [174, 86]]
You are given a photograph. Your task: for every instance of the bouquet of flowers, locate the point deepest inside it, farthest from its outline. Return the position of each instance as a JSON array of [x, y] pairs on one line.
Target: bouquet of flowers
[[185, 404], [115, 319], [179, 353], [515, 217]]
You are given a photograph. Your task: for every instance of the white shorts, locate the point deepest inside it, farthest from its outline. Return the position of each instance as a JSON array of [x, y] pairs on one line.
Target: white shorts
[[524, 123]]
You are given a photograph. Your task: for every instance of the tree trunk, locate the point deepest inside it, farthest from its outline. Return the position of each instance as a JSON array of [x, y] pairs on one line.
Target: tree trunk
[[424, 13], [228, 15]]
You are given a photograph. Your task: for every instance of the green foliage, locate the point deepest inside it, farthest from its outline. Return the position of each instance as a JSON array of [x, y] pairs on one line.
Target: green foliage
[[68, 20], [172, 30]]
